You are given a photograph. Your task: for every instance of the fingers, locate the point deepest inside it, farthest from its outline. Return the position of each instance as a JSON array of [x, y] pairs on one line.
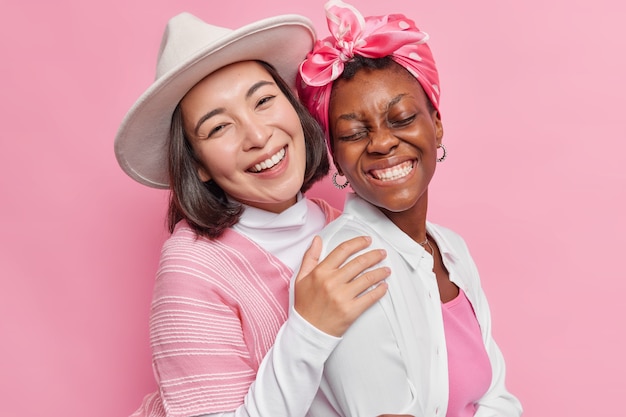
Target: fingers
[[363, 292], [359, 264], [367, 281], [341, 253], [333, 293], [367, 299], [310, 259], [337, 260]]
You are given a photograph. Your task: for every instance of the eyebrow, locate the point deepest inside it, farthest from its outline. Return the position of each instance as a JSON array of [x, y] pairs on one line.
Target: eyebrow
[[392, 102], [220, 110], [395, 101], [206, 117], [256, 86]]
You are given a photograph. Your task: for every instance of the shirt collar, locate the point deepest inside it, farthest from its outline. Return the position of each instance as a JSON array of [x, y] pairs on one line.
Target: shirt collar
[[396, 238]]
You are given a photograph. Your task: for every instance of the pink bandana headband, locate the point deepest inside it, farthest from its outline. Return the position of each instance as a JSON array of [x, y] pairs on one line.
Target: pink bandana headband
[[371, 37]]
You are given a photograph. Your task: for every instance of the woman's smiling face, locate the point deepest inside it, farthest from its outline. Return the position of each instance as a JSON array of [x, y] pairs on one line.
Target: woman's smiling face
[[385, 136], [247, 136]]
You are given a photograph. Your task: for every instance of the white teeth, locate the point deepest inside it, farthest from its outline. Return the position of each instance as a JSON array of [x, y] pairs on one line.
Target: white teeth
[[394, 173], [270, 162]]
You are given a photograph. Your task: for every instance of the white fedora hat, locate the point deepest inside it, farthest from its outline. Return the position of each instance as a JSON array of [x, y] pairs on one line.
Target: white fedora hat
[[190, 50]]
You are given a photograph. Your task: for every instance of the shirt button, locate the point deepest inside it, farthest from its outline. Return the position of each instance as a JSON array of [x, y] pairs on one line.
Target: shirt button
[[437, 410]]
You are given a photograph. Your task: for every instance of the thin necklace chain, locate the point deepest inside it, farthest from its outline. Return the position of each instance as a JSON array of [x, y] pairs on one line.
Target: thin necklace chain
[[425, 243]]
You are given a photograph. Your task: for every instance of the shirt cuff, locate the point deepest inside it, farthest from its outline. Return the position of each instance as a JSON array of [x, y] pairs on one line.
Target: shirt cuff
[[318, 341]]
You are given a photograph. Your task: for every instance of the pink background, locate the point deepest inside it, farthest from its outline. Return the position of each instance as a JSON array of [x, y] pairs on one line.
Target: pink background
[[534, 116]]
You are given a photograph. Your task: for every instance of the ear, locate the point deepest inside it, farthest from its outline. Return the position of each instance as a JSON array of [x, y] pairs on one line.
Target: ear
[[203, 174], [438, 126]]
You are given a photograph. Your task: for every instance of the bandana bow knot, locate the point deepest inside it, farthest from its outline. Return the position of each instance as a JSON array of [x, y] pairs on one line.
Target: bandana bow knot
[[373, 37]]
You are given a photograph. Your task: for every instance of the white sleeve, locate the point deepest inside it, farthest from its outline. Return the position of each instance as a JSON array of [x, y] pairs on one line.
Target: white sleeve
[[290, 373], [497, 401]]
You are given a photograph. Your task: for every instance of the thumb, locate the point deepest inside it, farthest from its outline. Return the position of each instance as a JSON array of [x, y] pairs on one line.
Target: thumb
[[310, 259]]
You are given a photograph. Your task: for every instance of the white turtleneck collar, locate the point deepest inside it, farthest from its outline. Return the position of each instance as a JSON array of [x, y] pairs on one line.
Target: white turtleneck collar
[[286, 235]]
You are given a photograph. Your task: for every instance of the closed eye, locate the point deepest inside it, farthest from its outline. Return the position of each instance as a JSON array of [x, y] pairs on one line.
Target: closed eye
[[355, 136], [217, 129], [265, 100], [403, 122]]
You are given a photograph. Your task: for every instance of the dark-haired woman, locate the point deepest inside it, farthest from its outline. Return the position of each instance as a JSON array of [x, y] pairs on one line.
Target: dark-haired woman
[[222, 129]]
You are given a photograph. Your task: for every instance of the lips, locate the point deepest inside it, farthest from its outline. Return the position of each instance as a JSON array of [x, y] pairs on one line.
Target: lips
[[269, 162], [393, 173]]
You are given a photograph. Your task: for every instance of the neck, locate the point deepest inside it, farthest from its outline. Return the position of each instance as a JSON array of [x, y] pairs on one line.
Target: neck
[[411, 221]]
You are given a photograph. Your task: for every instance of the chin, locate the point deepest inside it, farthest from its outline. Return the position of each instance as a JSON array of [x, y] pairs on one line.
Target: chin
[[398, 206]]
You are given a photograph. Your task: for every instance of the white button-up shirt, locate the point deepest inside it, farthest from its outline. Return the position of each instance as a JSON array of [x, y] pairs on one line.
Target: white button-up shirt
[[393, 359]]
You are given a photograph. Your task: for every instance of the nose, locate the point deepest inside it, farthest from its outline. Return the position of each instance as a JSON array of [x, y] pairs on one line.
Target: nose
[[381, 142], [256, 133]]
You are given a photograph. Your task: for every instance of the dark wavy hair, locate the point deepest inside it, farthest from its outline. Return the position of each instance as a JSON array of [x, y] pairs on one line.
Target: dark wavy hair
[[204, 205]]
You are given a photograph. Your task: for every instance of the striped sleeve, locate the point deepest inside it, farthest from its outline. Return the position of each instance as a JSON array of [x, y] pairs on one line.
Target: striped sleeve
[[215, 314]]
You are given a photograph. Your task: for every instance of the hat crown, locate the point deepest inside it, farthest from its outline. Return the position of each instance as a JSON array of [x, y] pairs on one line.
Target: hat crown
[[185, 35]]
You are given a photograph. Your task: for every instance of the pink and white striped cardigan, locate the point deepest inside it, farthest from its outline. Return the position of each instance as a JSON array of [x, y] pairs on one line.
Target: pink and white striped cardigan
[[217, 307]]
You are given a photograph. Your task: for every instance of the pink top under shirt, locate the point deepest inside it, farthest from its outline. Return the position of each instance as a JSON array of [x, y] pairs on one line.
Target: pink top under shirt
[[469, 369]]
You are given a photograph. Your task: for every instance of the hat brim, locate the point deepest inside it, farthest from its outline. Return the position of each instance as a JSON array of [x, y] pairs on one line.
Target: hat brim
[[141, 141]]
